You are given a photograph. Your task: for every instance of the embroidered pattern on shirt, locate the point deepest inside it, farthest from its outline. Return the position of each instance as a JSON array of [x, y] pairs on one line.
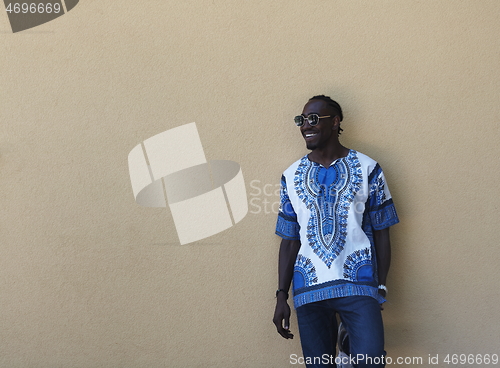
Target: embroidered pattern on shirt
[[377, 184], [329, 202], [304, 272], [358, 266]]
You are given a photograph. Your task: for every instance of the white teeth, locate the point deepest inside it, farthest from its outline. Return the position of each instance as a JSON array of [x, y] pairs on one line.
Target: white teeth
[[310, 135]]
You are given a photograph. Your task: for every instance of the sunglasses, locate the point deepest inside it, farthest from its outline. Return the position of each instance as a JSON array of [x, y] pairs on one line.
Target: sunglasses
[[312, 119]]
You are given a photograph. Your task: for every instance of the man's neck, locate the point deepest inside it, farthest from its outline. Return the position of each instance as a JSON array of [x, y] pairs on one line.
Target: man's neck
[[327, 155]]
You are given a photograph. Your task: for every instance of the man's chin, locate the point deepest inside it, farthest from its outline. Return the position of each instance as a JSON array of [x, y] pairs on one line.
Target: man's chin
[[311, 146]]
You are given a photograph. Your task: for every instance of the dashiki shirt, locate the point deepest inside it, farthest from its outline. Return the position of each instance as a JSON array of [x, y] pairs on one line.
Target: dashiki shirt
[[333, 212]]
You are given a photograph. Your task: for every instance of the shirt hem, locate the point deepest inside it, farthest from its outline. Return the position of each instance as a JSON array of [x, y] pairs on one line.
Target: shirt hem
[[336, 291]]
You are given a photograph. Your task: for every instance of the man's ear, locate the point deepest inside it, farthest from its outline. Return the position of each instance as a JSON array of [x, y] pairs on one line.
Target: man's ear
[[336, 122]]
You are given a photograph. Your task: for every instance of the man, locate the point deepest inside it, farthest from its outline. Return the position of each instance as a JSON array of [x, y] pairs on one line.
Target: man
[[334, 221]]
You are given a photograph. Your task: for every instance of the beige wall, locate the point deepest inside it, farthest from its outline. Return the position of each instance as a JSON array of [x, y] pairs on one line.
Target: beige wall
[[90, 279]]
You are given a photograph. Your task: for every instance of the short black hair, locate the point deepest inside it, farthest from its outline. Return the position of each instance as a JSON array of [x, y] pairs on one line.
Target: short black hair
[[331, 103]]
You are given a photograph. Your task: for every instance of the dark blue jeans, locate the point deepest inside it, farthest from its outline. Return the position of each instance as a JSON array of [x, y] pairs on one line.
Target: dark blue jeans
[[362, 318]]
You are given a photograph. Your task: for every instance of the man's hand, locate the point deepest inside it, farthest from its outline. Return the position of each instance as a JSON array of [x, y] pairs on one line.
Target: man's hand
[[287, 256], [282, 316]]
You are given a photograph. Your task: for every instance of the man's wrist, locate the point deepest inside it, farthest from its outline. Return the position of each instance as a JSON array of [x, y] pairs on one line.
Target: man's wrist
[[281, 292]]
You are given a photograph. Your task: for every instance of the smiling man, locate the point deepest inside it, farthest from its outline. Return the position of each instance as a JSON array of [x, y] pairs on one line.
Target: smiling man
[[334, 220]]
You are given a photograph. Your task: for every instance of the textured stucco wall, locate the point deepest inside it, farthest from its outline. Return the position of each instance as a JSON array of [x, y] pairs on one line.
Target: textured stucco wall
[[90, 279]]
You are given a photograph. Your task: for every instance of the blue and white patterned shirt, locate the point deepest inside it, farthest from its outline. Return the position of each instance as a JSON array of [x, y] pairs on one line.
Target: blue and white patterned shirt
[[333, 212]]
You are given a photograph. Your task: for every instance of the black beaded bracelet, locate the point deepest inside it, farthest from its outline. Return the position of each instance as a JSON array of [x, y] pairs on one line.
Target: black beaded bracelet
[[283, 290]]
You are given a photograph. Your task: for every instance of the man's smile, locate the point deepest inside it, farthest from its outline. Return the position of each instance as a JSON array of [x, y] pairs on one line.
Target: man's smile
[[309, 135]]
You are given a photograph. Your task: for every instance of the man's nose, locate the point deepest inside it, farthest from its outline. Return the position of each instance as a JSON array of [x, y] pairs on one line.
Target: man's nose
[[305, 125]]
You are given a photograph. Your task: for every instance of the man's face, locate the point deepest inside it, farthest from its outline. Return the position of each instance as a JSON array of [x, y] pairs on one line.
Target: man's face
[[323, 134]]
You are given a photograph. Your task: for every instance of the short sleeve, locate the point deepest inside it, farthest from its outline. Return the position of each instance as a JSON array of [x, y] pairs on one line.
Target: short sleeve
[[380, 206], [287, 226]]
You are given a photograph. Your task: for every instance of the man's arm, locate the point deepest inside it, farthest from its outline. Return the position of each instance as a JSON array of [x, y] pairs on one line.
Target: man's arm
[[287, 256], [383, 249]]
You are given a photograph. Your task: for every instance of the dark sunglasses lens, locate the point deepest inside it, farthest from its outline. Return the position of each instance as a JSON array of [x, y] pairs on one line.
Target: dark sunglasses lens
[[299, 120], [313, 119]]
